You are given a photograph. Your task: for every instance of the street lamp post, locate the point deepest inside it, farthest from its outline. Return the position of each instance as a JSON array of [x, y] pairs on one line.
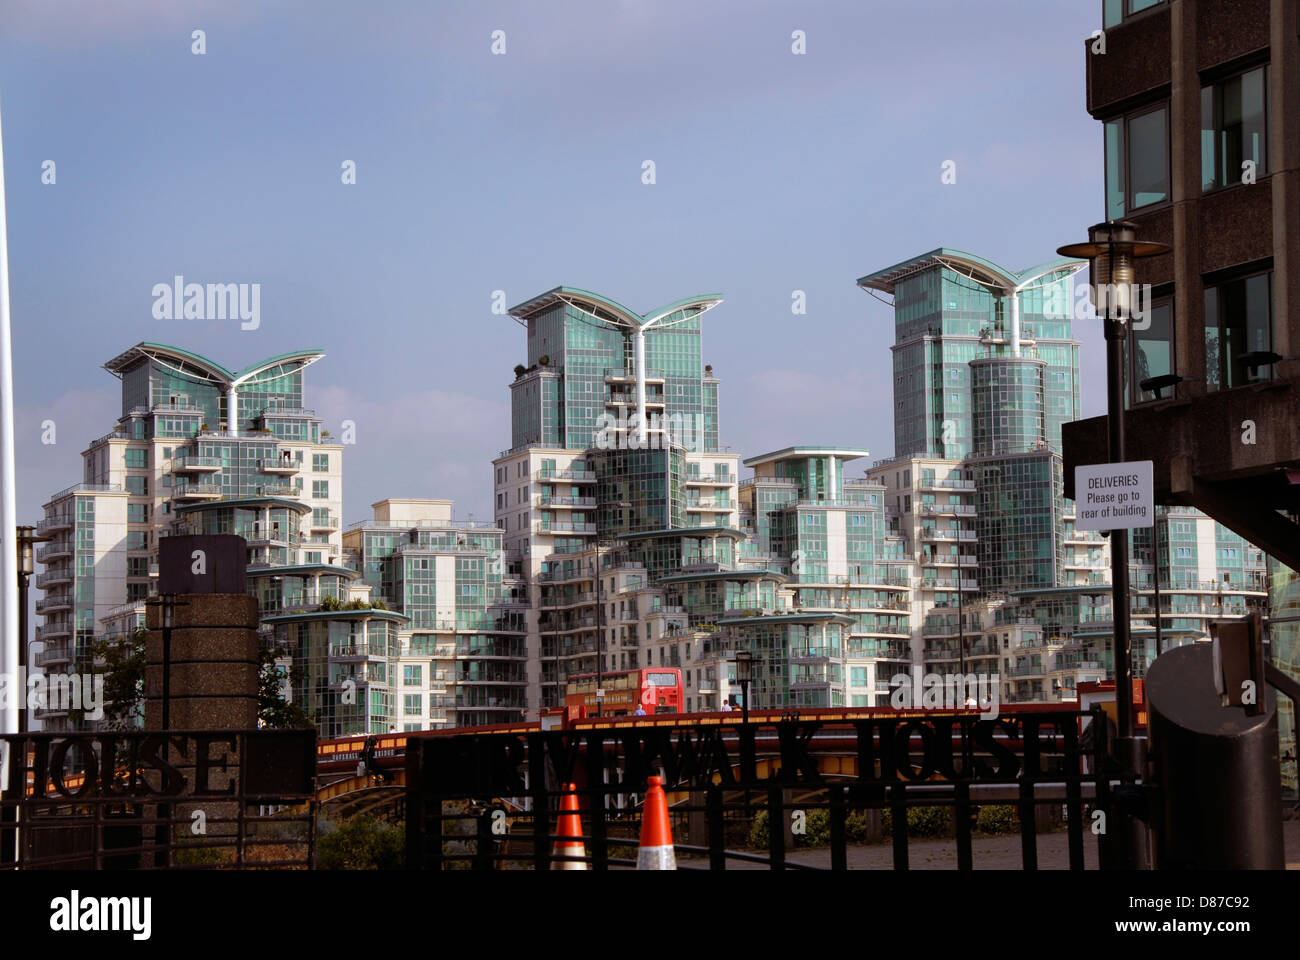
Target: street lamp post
[[600, 629], [26, 542], [1112, 249], [744, 673]]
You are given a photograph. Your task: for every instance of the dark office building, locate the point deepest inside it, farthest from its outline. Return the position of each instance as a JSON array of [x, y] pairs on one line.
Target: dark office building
[[1200, 104]]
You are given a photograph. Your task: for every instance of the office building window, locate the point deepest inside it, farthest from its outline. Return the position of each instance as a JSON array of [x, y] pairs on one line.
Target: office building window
[[1137, 160], [1153, 349], [1237, 323], [1234, 129], [1115, 11]]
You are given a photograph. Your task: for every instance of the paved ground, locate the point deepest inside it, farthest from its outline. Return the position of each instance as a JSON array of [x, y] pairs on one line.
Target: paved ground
[[987, 853]]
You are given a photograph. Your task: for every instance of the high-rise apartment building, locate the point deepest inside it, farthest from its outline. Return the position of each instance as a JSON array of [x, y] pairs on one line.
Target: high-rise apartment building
[[985, 365], [642, 549], [196, 448]]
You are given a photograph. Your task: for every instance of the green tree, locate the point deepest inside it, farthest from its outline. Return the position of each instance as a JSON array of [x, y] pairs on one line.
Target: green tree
[[123, 660], [362, 843], [273, 711], [123, 668]]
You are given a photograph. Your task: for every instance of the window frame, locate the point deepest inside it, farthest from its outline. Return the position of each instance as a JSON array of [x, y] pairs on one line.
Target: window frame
[[1126, 12], [1157, 301], [1124, 120], [1247, 274], [1215, 82]]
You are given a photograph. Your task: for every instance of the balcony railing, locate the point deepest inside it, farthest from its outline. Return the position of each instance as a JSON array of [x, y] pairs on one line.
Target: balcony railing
[[57, 521], [571, 475], [60, 602], [53, 576]]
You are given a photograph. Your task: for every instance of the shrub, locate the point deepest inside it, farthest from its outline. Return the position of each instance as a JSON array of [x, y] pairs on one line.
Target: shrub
[[855, 827], [362, 843], [817, 830], [996, 818], [921, 821]]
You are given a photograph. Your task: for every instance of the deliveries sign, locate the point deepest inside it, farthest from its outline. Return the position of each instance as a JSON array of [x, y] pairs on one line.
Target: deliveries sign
[[1114, 496]]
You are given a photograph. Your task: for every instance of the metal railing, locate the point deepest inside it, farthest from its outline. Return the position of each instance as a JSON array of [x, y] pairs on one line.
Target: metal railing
[[456, 805]]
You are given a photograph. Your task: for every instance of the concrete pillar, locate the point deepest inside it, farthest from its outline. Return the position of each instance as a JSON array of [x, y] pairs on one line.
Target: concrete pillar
[[213, 670]]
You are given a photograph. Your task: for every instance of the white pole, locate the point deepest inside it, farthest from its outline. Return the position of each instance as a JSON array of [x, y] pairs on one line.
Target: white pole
[[8, 505], [1015, 322], [638, 355]]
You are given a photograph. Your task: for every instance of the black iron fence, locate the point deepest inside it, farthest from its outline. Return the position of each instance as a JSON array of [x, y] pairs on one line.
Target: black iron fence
[[489, 801], [149, 800]]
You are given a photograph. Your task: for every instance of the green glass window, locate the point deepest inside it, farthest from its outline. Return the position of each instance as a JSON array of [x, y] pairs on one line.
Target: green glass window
[[320, 462], [135, 459], [320, 489], [1234, 129]]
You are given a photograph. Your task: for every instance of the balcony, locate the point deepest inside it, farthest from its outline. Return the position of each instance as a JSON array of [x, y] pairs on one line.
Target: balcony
[[712, 505], [54, 549], [700, 480], [327, 523], [280, 466], [947, 509], [620, 398], [51, 604], [967, 536], [58, 521], [570, 474], [549, 501], [51, 577], [950, 483], [552, 603], [260, 537], [944, 584], [618, 375], [547, 527], [189, 464], [59, 653], [197, 490], [949, 560], [48, 631]]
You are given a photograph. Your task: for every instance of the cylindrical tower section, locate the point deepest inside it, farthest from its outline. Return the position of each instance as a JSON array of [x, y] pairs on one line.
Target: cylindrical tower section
[[1007, 405]]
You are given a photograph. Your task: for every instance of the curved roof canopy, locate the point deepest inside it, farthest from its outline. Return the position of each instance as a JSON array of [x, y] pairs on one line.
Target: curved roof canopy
[[614, 313], [197, 365], [968, 264]]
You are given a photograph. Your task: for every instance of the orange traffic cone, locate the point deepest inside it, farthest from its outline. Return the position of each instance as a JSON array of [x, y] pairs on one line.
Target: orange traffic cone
[[656, 850], [568, 832]]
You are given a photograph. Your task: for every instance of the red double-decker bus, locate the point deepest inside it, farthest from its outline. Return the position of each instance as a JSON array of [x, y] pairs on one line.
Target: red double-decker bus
[[656, 689]]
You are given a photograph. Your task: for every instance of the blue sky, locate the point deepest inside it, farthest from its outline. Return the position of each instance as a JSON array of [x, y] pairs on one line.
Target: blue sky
[[521, 172]]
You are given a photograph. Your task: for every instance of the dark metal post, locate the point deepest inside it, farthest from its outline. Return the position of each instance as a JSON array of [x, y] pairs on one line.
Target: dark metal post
[[24, 579], [600, 630], [961, 634], [1155, 537], [1113, 248], [1116, 334]]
